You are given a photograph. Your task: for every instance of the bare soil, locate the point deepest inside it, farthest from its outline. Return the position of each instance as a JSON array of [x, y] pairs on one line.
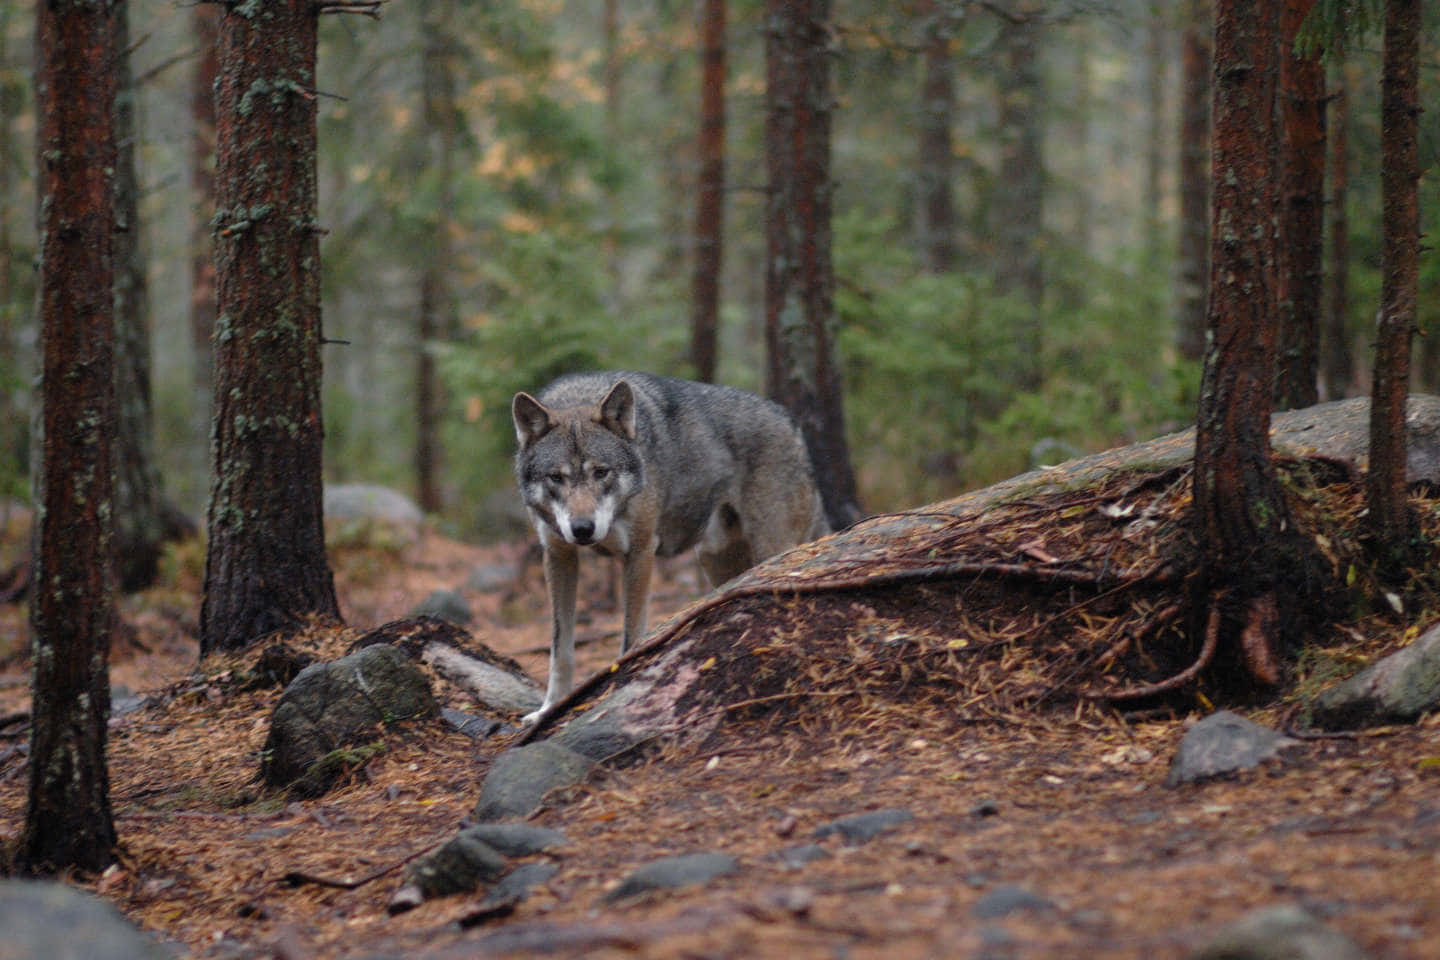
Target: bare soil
[[1044, 790]]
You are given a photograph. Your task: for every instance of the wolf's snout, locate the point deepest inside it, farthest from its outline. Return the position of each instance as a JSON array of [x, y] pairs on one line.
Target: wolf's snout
[[583, 530]]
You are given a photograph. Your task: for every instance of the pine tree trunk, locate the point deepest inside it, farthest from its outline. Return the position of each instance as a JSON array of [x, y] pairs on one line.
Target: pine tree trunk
[[1389, 520], [266, 569], [937, 152], [1302, 210], [205, 24], [1336, 348], [437, 320], [140, 526], [68, 821], [1240, 510], [1192, 267], [1020, 189], [799, 276], [709, 194]]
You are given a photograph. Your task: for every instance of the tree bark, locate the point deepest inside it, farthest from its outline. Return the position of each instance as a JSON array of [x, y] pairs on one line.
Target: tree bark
[[1020, 188], [937, 151], [205, 24], [1389, 519], [68, 821], [1194, 175], [709, 194], [140, 510], [1336, 348], [1240, 510], [802, 371], [1302, 210], [437, 319], [266, 567]]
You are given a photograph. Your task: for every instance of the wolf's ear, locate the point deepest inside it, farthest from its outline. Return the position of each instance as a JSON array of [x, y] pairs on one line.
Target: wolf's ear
[[617, 411], [532, 420]]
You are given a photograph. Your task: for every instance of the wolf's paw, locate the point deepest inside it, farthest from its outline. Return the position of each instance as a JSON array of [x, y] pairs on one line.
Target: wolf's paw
[[530, 719]]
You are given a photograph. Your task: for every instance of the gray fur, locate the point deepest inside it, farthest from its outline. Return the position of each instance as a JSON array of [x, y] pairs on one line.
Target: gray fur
[[639, 465]]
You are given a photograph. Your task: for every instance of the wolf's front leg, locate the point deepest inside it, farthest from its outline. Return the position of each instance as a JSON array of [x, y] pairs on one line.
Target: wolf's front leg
[[562, 572], [639, 563]]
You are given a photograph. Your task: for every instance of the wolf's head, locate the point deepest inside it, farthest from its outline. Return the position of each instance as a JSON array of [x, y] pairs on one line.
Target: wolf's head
[[579, 465]]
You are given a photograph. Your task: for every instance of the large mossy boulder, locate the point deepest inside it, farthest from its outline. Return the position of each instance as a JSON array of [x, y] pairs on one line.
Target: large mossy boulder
[[328, 718]]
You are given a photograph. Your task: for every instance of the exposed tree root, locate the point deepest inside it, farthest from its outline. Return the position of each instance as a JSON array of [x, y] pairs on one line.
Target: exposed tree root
[[1207, 655]]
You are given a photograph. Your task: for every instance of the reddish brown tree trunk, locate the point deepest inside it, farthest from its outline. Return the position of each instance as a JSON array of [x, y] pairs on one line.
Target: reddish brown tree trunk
[[1194, 254], [937, 152], [709, 193], [799, 276], [1302, 211], [266, 568], [1239, 506], [67, 818], [1389, 520], [1336, 349]]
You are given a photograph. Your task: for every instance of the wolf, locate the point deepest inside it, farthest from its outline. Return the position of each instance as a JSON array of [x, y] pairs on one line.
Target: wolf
[[636, 465]]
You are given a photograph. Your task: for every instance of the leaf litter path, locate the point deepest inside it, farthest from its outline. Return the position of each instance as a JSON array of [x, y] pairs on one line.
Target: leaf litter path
[[1066, 803]]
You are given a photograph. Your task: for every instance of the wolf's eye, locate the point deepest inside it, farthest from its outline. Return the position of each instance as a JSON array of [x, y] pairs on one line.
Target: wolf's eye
[[556, 478], [600, 473]]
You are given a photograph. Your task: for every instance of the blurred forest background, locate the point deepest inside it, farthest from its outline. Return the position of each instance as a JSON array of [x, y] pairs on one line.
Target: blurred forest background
[[509, 192]]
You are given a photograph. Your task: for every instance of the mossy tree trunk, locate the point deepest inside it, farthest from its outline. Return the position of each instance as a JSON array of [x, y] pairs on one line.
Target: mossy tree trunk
[[68, 821], [1390, 523], [1246, 540], [803, 374], [266, 568]]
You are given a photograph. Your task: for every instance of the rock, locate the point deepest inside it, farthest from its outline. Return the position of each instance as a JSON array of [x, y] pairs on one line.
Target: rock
[[863, 827], [516, 839], [1398, 688], [331, 707], [445, 605], [510, 892], [519, 779], [796, 858], [460, 865], [497, 681], [55, 922], [490, 577], [471, 725], [367, 514], [1279, 933], [1003, 901], [672, 873], [1223, 743]]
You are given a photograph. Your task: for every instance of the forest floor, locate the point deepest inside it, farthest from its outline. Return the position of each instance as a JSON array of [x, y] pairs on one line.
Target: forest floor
[[1067, 803]]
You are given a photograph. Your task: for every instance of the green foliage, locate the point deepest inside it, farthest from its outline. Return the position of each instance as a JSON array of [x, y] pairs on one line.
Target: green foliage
[[1335, 26], [548, 317], [931, 363]]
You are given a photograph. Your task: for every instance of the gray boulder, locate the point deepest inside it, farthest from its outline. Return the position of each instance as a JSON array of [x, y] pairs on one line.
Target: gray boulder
[[1398, 688], [519, 779], [1224, 742], [371, 515], [672, 873], [1279, 933], [332, 708], [50, 921]]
